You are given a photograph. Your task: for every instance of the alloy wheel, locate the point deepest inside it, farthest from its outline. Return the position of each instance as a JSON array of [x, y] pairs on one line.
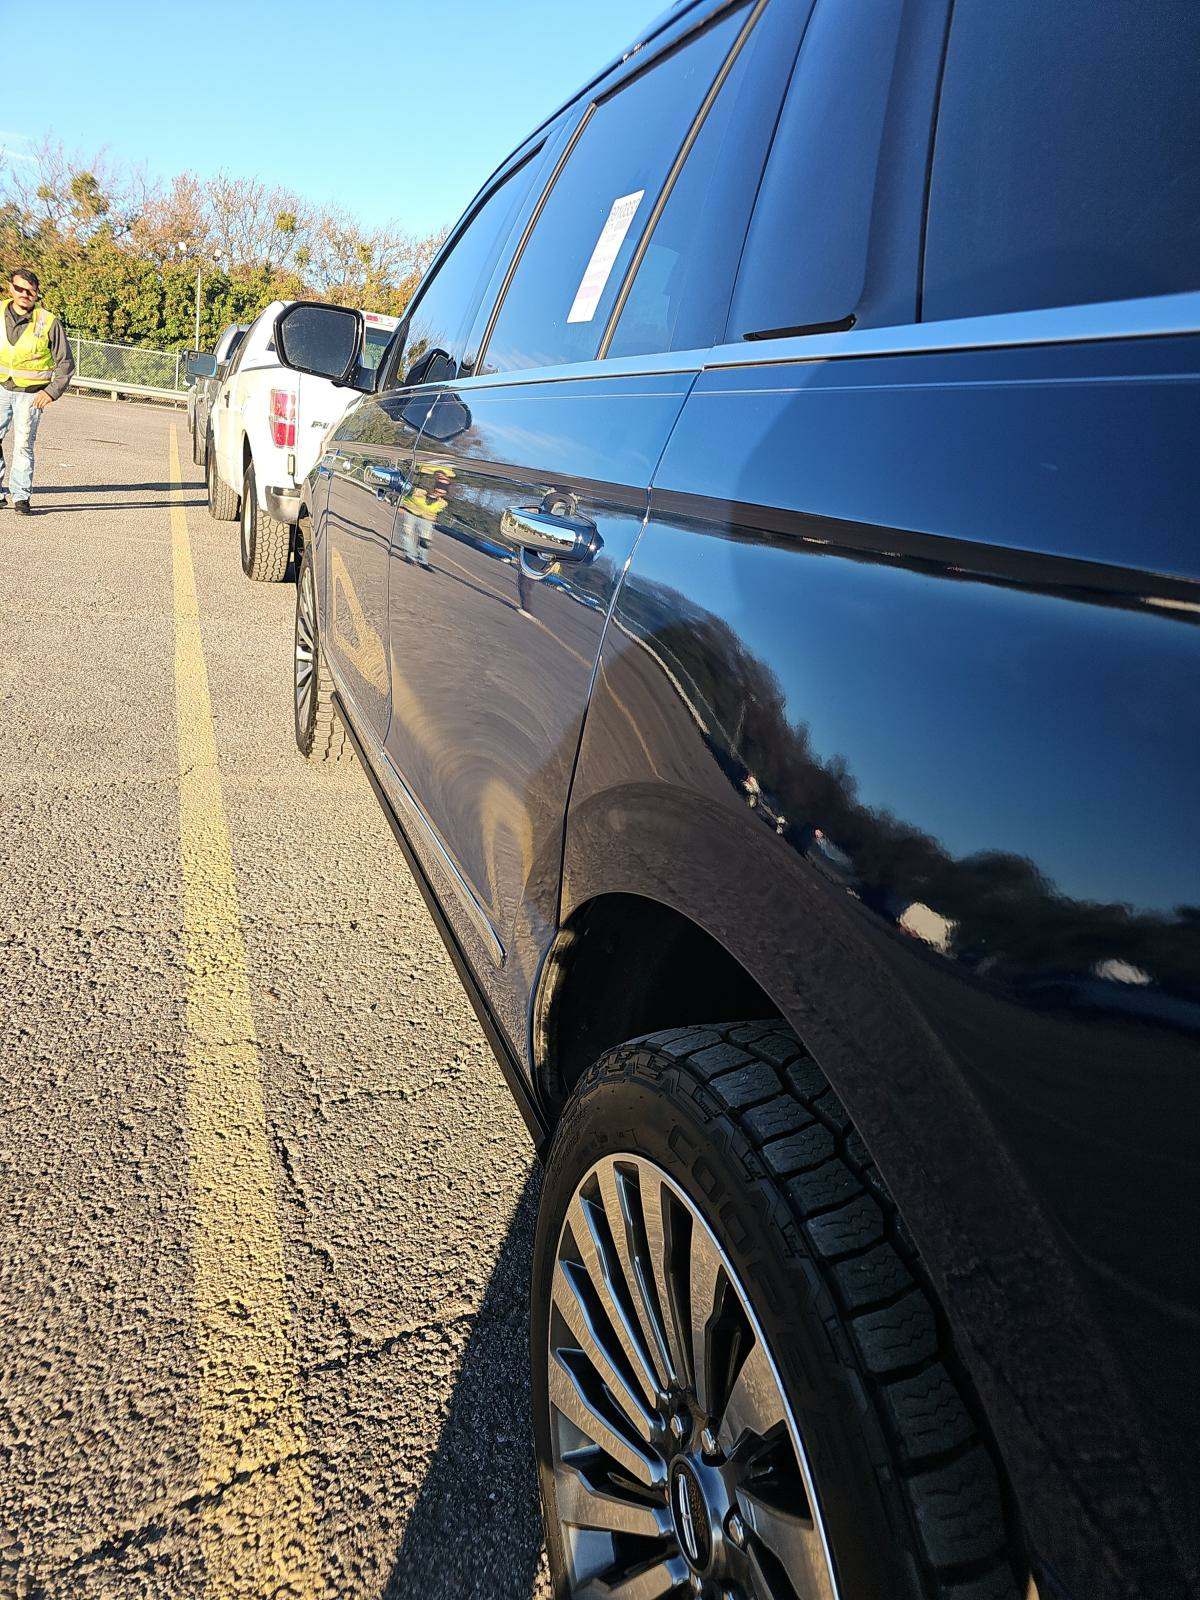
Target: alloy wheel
[[305, 656], [678, 1466]]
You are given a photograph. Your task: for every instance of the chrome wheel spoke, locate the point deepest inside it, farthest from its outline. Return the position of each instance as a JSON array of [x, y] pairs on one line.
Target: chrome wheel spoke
[[623, 1204], [706, 1273], [646, 1583], [656, 1198], [755, 1404], [600, 1421], [586, 1497], [793, 1539], [593, 1238], [305, 657], [572, 1296]]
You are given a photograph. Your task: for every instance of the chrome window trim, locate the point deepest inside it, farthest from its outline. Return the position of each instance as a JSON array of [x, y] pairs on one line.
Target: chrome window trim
[[672, 361], [1156, 317]]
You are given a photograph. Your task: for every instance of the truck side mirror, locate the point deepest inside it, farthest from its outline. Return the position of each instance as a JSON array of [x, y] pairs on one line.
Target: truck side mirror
[[319, 339], [200, 365]]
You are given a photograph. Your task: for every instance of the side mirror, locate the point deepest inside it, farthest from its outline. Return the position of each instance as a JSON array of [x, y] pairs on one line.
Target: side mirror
[[319, 339], [201, 366]]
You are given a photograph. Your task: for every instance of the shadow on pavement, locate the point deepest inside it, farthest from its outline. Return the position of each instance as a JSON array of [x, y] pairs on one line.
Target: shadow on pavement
[[108, 505], [115, 488], [475, 1532]]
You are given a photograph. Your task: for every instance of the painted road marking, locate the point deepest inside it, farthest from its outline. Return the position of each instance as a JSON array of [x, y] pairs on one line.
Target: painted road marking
[[259, 1525]]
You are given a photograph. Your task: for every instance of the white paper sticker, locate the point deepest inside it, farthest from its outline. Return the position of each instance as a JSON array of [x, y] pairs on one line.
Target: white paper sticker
[[598, 269]]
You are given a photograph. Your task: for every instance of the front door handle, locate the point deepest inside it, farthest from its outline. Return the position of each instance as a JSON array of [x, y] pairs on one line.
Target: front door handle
[[561, 538]]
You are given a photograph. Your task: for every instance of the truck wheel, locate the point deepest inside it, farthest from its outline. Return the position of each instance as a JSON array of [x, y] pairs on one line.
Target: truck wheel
[[222, 502], [320, 735], [742, 1383], [266, 542]]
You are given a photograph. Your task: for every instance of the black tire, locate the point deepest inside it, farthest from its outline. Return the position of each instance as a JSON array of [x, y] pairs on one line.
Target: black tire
[[320, 735], [222, 502], [266, 543], [741, 1121], [197, 447]]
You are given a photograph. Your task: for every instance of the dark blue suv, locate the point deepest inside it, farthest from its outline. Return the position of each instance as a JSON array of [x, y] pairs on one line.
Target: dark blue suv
[[762, 587]]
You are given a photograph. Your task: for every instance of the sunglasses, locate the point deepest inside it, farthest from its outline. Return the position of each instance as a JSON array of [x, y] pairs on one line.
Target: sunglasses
[[23, 291]]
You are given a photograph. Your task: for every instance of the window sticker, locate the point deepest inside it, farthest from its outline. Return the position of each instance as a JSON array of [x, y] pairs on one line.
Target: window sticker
[[598, 270]]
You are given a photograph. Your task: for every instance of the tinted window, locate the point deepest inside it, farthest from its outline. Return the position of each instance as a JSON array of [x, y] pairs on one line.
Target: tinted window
[[243, 345], [438, 321], [680, 293], [567, 278], [806, 251], [1067, 161]]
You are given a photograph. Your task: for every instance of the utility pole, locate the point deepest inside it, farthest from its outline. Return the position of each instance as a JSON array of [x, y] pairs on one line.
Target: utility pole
[[197, 345]]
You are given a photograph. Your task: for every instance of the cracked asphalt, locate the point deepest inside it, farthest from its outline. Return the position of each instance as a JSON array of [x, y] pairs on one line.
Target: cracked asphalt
[[402, 1180]]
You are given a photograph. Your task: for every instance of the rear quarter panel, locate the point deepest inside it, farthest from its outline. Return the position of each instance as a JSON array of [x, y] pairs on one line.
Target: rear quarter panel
[[898, 701]]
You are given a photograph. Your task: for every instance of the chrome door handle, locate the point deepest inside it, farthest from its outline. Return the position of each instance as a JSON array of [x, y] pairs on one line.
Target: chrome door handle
[[388, 478], [563, 538]]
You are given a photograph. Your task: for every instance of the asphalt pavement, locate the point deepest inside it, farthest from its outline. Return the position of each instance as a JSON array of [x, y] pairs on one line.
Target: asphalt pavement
[[266, 1206]]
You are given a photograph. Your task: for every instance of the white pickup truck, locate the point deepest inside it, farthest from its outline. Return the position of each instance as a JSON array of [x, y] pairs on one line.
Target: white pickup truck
[[264, 434]]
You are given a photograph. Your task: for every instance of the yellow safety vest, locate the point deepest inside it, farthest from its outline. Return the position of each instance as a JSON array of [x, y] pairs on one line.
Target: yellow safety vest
[[29, 361]]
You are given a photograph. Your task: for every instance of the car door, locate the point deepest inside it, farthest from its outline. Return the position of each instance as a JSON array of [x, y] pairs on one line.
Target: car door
[[531, 482], [368, 462]]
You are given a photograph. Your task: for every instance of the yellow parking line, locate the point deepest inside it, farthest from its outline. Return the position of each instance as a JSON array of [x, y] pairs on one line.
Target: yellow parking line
[[258, 1520]]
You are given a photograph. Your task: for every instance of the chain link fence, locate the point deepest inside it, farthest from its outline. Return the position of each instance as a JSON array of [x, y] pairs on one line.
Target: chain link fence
[[129, 369]]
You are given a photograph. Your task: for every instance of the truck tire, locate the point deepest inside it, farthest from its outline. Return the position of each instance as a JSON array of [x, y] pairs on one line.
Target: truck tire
[[222, 502], [320, 735], [197, 447], [266, 542], [740, 1373]]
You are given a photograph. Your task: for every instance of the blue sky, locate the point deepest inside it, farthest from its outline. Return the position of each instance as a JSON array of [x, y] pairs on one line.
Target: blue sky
[[395, 110]]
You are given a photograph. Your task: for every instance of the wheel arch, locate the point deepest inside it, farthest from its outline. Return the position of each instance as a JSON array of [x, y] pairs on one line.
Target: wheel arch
[[624, 965]]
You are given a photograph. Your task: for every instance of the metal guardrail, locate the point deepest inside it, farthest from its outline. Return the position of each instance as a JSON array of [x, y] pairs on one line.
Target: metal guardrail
[[129, 369]]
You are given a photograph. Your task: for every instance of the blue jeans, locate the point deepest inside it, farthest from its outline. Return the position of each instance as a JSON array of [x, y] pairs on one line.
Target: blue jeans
[[17, 408]]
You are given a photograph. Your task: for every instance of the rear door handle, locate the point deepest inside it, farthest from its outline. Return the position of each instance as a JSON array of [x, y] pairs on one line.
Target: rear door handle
[[563, 538], [387, 480]]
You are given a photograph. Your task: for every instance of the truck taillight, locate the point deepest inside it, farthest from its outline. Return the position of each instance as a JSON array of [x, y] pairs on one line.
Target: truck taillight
[[283, 418]]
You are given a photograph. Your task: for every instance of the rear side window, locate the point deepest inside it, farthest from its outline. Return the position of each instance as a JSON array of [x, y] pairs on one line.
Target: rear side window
[[1067, 161], [680, 292], [805, 262], [566, 281], [439, 321]]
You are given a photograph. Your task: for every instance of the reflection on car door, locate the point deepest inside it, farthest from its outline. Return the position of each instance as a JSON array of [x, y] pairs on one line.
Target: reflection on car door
[[367, 465]]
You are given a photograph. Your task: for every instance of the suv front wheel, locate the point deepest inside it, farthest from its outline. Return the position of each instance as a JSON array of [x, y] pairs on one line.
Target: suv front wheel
[[742, 1384], [320, 736]]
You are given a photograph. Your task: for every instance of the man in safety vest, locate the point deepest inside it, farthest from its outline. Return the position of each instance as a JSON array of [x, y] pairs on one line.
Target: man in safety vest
[[35, 368]]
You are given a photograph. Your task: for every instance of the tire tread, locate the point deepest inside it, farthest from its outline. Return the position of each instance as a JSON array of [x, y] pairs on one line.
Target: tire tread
[[766, 1084]]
